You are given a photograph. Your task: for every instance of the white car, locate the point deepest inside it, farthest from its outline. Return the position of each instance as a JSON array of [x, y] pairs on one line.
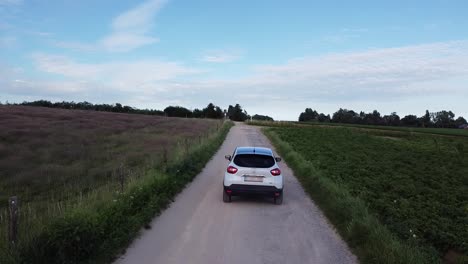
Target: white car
[[253, 170]]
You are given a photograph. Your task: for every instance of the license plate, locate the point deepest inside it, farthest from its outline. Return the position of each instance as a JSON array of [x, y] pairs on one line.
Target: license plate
[[253, 179]]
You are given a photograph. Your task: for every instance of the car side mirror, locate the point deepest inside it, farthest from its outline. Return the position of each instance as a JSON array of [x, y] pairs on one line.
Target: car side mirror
[[228, 157], [278, 159]]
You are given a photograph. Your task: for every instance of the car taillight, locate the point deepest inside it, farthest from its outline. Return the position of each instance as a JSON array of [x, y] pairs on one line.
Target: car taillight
[[231, 169], [275, 172]]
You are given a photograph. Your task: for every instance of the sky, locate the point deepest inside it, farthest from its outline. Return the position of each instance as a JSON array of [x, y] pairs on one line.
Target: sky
[[272, 57]]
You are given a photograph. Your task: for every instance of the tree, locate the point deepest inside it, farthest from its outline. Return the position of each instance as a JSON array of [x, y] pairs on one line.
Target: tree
[[262, 118], [373, 118], [443, 119], [177, 111], [425, 120], [212, 111], [127, 109], [460, 121], [236, 113], [197, 113], [391, 120], [43, 103], [118, 108], [308, 115], [324, 118], [410, 120], [345, 116]]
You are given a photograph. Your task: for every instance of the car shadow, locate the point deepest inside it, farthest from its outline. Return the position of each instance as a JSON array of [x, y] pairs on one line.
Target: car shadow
[[252, 198]]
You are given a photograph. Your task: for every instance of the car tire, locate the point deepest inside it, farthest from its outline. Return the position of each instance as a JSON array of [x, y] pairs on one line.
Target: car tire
[[278, 199], [226, 197]]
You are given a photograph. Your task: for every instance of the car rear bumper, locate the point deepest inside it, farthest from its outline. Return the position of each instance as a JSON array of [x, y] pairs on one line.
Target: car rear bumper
[[257, 189]]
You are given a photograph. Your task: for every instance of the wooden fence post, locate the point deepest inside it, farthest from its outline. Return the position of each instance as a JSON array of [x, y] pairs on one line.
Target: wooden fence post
[[13, 220], [186, 145], [121, 177], [165, 156]]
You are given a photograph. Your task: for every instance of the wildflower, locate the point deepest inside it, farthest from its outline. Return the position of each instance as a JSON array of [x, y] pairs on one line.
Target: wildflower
[[394, 201], [414, 235], [411, 231]]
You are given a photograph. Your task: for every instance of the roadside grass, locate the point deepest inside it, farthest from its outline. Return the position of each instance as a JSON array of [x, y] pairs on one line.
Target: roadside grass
[[394, 197], [81, 214]]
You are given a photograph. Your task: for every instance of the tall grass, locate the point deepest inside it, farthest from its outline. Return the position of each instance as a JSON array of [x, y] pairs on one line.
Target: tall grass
[[71, 163], [106, 221], [371, 241], [49, 155]]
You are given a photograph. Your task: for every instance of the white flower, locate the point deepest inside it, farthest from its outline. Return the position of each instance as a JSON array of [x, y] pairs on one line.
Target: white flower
[[414, 235]]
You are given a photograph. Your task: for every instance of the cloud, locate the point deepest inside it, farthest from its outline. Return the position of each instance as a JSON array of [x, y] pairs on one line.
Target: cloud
[[77, 46], [221, 56], [64, 78], [122, 42], [138, 18], [129, 30], [389, 70], [375, 75], [39, 33], [48, 87], [385, 76], [122, 75]]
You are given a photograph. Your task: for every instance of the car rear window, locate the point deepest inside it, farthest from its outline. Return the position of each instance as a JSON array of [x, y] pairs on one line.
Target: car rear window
[[254, 161]]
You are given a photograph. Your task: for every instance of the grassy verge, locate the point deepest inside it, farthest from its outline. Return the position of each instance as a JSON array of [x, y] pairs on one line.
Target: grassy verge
[[369, 239], [97, 233]]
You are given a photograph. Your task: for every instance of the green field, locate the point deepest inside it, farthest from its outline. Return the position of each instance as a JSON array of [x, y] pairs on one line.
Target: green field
[[414, 183], [427, 130]]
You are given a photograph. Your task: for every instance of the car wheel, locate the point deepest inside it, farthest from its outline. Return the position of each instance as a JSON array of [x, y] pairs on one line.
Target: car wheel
[[278, 199], [226, 197]]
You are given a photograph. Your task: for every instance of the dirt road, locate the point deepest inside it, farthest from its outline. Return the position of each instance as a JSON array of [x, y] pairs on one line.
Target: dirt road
[[199, 228]]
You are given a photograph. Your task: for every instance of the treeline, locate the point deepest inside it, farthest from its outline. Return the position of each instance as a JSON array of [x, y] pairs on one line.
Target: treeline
[[116, 108], [440, 119], [235, 113], [211, 111], [262, 118]]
